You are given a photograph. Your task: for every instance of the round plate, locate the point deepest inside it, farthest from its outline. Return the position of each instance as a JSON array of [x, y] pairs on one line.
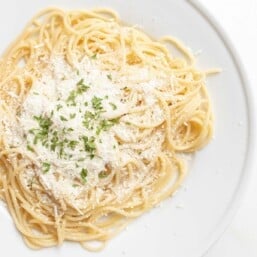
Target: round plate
[[187, 224]]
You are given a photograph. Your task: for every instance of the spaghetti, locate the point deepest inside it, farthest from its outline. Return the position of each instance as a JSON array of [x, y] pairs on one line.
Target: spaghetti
[[95, 119]]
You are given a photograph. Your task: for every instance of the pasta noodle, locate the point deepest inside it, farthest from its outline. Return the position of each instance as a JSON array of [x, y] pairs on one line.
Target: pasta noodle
[[96, 119]]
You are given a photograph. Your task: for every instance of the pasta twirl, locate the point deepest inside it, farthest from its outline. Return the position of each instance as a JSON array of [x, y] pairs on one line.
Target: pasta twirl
[[95, 118]]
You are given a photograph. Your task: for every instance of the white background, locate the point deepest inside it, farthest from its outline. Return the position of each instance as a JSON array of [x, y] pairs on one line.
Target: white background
[[239, 20]]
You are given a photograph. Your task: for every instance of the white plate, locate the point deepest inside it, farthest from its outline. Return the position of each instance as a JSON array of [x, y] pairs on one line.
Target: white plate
[[218, 177]]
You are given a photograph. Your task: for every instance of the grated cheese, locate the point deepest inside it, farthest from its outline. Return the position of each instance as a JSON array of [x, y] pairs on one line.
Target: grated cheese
[[56, 98]]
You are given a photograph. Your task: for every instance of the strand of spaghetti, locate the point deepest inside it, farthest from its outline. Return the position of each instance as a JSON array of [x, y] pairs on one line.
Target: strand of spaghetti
[[111, 97], [178, 45], [167, 120]]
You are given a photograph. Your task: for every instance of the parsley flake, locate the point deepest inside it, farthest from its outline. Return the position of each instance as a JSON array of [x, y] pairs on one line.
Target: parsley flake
[[46, 167], [72, 115], [83, 175], [97, 103], [103, 174], [72, 144], [94, 56], [114, 106], [58, 107], [81, 87], [63, 118], [104, 125], [89, 145], [31, 149], [71, 98], [44, 127]]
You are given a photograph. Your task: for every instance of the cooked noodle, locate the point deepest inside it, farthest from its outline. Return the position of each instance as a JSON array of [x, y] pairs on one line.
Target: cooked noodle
[[95, 120]]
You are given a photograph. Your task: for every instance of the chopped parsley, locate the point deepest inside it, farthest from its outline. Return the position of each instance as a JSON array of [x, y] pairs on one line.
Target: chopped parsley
[[71, 98], [114, 106], [56, 136], [41, 134], [44, 122], [72, 144], [54, 141], [89, 145], [97, 103], [103, 174], [104, 125], [83, 175], [94, 56], [88, 117], [46, 167], [31, 149], [58, 107], [63, 118], [81, 87], [72, 115]]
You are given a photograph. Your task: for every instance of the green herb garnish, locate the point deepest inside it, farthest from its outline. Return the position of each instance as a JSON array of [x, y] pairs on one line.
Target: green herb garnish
[[103, 174], [58, 107], [44, 123], [31, 149], [72, 115], [97, 103], [54, 141], [63, 118], [81, 87], [71, 98], [94, 56], [83, 175], [46, 167], [114, 106], [41, 133], [89, 145], [88, 117], [104, 125], [72, 144]]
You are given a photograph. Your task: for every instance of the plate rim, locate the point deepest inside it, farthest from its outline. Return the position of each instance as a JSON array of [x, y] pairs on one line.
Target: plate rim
[[248, 164]]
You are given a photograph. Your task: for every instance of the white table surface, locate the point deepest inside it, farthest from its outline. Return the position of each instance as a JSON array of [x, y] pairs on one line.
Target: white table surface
[[239, 20]]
